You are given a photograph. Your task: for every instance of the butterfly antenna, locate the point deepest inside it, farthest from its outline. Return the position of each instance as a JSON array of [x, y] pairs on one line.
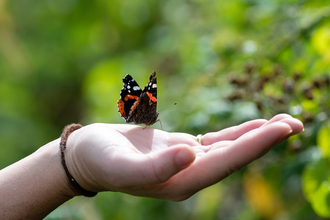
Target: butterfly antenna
[[167, 107]]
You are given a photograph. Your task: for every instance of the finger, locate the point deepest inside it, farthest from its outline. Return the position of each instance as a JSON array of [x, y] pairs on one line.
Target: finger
[[176, 138], [153, 168], [231, 133], [254, 145], [296, 125], [277, 117], [218, 164]]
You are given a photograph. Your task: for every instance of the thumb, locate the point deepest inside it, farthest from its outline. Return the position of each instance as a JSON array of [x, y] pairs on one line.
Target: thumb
[[164, 164]]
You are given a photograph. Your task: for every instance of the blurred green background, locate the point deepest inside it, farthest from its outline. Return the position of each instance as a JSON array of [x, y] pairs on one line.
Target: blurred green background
[[223, 62]]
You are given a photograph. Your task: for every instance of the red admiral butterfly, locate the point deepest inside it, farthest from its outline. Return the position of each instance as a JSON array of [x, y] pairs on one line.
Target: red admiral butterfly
[[136, 105]]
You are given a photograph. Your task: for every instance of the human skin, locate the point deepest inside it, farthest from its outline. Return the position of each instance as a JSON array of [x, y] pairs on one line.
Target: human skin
[[135, 160]]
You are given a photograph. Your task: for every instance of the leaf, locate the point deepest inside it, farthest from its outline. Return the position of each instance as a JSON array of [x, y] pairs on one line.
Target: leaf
[[321, 39], [315, 184], [321, 200], [323, 140]]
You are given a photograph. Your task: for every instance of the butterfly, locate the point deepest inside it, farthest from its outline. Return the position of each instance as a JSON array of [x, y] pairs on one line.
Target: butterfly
[[136, 105]]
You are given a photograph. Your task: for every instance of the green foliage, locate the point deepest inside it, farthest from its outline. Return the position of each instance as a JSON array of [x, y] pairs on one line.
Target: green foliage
[[323, 140], [316, 176], [316, 186], [223, 62]]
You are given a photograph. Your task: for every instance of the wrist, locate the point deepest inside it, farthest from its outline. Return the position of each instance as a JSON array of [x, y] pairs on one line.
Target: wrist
[[72, 179]]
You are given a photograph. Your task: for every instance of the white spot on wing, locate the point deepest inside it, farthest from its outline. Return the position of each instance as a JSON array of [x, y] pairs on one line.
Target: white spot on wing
[[154, 86], [128, 87], [129, 91], [136, 88]]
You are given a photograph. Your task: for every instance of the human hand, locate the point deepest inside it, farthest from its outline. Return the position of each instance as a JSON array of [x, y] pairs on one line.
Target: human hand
[[153, 163]]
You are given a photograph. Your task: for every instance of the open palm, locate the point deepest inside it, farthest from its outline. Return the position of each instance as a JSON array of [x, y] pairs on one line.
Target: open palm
[[154, 163]]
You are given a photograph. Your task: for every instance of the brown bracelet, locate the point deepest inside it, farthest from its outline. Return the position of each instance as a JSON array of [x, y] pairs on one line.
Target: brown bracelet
[[73, 183]]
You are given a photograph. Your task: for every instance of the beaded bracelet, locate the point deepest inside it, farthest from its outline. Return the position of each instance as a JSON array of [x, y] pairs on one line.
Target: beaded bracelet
[[73, 183]]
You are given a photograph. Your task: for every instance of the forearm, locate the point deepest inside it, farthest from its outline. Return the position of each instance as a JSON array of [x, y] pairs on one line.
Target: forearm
[[34, 186]]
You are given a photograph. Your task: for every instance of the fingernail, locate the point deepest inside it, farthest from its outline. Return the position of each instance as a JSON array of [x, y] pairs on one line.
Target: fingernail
[[285, 124], [184, 157], [289, 132]]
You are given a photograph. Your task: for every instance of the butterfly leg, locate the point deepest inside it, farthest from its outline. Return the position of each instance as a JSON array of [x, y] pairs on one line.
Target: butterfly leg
[[160, 124]]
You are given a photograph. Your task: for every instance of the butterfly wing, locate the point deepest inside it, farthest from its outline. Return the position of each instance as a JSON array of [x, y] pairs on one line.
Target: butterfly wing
[[129, 94]]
